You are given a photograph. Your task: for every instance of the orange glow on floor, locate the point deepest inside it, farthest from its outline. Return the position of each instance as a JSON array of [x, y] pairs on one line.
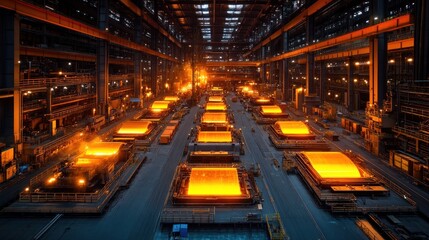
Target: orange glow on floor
[[215, 106], [134, 127], [214, 117], [215, 136], [214, 182], [271, 109], [103, 148], [162, 105], [171, 98], [293, 127], [215, 99], [333, 165]]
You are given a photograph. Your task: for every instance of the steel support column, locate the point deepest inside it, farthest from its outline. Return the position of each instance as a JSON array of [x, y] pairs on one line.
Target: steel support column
[[153, 74], [102, 64], [377, 69], [271, 73], [421, 41], [52, 126], [154, 59], [164, 64], [10, 107], [263, 68], [284, 77], [322, 78], [376, 142], [350, 86], [138, 62], [309, 70], [285, 80], [263, 73], [164, 76]]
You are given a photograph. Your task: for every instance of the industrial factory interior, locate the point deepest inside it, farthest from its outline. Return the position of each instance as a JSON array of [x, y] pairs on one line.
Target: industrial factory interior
[[214, 119]]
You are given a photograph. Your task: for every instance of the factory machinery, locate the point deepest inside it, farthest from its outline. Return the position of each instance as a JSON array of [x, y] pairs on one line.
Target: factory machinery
[[93, 176], [215, 132], [212, 174], [294, 135], [265, 111], [142, 131], [337, 182], [341, 185], [86, 178]]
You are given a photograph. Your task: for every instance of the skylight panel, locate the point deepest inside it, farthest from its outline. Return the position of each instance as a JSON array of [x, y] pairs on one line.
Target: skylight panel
[[235, 6], [201, 6], [231, 12], [231, 24], [231, 19]]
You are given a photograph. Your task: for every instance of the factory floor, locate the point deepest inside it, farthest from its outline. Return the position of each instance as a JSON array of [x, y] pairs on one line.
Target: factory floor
[[135, 212]]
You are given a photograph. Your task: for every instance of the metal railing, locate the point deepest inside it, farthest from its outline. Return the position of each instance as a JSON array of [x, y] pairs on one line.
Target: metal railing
[[190, 215], [71, 110], [411, 133], [42, 82]]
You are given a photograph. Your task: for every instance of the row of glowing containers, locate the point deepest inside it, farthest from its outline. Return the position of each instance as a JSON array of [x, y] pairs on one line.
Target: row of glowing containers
[[214, 181], [215, 113], [327, 164], [163, 105]]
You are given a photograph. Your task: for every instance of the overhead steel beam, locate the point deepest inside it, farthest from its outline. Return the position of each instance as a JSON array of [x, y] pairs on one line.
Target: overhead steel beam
[[391, 46], [49, 53], [229, 64], [72, 56], [192, 2], [319, 4], [389, 25], [134, 8], [47, 16]]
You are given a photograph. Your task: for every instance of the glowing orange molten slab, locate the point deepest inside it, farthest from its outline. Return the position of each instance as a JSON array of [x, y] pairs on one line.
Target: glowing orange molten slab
[[262, 100], [84, 162], [134, 127], [271, 109], [215, 136], [215, 106], [293, 127], [160, 105], [215, 99], [214, 182], [333, 165], [171, 98], [245, 89], [214, 117], [103, 148], [217, 89]]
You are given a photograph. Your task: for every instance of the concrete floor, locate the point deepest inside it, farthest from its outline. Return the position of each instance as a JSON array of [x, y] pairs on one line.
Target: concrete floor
[[135, 212]]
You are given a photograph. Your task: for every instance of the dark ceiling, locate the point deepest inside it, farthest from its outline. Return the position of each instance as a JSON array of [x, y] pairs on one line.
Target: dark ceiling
[[219, 27]]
